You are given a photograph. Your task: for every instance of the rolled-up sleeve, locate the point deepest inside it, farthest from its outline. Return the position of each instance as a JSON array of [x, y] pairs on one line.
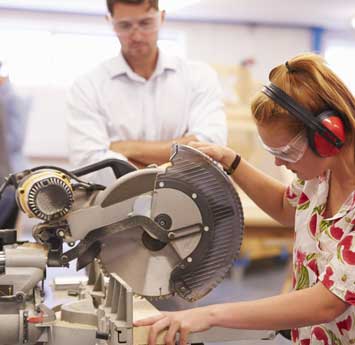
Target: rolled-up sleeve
[[207, 117], [339, 273], [88, 137], [294, 191]]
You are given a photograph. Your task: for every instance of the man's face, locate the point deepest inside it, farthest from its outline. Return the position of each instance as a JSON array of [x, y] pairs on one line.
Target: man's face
[[137, 28]]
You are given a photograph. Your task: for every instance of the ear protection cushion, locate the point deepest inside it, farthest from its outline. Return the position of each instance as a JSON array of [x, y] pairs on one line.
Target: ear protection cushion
[[326, 131], [318, 143]]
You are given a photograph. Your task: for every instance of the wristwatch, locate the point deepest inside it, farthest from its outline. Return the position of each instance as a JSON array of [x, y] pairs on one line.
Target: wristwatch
[[230, 170]]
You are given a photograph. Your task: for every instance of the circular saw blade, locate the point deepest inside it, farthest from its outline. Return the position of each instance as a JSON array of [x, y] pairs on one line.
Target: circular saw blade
[[141, 260], [198, 206], [147, 272]]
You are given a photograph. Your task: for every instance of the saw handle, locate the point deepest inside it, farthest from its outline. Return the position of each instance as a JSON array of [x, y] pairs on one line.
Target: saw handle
[[119, 167]]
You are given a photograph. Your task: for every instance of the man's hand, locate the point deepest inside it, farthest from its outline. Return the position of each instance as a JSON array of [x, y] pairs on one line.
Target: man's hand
[[138, 164], [148, 152]]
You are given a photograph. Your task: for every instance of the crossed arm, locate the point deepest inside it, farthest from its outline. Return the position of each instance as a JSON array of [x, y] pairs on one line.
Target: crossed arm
[[143, 153]]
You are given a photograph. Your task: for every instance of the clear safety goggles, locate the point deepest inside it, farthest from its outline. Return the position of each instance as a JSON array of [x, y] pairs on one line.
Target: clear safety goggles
[[146, 24], [293, 151]]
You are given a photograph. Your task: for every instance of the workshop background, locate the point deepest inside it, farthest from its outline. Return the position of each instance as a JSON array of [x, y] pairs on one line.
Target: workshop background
[[46, 44]]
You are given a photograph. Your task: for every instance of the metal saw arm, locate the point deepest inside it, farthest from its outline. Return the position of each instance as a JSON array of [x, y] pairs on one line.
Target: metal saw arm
[[165, 230]]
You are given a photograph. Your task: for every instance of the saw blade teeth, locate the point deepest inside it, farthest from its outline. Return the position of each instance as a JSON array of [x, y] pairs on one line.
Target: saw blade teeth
[[155, 298]]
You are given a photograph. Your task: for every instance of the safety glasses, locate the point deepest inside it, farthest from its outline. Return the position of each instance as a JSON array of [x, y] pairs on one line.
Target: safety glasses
[[146, 24], [293, 151]]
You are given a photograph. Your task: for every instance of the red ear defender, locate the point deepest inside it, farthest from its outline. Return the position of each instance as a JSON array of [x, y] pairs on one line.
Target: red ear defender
[[325, 131], [334, 123]]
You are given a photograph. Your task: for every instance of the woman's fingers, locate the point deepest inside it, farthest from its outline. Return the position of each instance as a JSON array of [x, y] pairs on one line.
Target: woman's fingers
[[183, 322], [212, 152], [170, 337], [196, 143], [184, 333], [203, 146], [156, 328], [148, 321], [176, 327]]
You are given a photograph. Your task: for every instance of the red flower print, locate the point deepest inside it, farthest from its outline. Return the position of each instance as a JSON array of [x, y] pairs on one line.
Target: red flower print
[[303, 202], [305, 342], [344, 248], [350, 297], [344, 325], [300, 258], [303, 199], [313, 266], [326, 280], [290, 194], [320, 334], [312, 226], [336, 233], [294, 334], [293, 280]]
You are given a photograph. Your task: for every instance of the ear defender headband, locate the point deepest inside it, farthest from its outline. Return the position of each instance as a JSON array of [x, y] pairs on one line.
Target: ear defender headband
[[325, 131]]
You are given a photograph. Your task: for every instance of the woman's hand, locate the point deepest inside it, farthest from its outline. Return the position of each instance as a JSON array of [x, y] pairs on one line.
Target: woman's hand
[[182, 322], [221, 154]]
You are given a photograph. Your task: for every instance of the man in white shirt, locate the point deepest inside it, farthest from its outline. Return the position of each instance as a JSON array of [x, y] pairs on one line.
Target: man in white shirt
[[136, 105]]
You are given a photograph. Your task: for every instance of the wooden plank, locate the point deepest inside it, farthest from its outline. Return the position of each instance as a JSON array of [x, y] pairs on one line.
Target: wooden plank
[[142, 309]]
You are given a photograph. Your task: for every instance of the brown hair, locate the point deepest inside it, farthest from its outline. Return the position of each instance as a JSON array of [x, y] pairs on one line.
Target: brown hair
[[311, 83], [110, 3]]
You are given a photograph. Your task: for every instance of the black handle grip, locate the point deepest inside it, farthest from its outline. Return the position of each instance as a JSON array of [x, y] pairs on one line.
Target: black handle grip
[[119, 167]]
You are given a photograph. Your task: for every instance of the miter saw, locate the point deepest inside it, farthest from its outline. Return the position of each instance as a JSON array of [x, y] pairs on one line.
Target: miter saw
[[156, 232]]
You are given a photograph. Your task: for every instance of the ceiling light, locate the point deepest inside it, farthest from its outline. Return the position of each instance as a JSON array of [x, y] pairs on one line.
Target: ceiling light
[[175, 5]]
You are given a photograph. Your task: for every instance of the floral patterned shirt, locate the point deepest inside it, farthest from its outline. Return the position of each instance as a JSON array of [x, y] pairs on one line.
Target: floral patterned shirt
[[324, 251]]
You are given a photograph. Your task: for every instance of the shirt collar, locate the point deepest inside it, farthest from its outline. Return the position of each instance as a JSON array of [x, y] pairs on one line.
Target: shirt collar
[[165, 62], [348, 205], [118, 66]]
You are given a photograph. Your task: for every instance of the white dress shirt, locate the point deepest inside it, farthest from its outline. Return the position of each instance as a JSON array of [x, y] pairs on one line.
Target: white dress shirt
[[112, 103]]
